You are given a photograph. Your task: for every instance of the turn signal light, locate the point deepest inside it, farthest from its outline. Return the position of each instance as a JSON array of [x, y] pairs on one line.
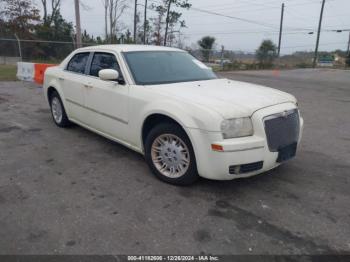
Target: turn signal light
[[215, 147]]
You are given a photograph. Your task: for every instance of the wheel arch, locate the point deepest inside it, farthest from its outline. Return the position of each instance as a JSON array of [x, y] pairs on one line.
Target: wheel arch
[[50, 91], [154, 119], [54, 88]]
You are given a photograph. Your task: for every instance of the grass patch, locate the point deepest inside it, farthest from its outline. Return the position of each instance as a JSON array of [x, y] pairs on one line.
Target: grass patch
[[8, 72]]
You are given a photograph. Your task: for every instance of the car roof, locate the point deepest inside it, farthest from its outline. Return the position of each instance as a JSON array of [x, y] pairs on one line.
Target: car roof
[[129, 48]]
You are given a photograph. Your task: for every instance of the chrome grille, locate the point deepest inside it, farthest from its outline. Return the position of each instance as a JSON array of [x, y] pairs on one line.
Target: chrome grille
[[282, 129]]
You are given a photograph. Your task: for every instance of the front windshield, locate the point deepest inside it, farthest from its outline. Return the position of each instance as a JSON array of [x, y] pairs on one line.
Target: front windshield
[[160, 67]]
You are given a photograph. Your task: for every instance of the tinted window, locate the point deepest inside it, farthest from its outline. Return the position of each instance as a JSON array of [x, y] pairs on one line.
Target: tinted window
[[78, 63], [103, 61], [157, 67]]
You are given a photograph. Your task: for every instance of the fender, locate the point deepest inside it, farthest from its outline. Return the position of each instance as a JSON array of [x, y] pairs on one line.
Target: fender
[[54, 83], [179, 113], [187, 115]]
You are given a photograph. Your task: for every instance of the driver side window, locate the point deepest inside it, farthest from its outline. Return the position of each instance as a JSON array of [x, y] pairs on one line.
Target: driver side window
[[104, 61]]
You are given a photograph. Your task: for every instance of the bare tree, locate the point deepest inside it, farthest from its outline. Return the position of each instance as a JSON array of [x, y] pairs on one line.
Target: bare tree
[[158, 23], [113, 9], [172, 17], [135, 21], [44, 3], [169, 19], [55, 9]]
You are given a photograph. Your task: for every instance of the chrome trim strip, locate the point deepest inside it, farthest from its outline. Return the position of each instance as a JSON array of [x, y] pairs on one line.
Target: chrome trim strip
[[245, 149], [285, 113], [97, 112]]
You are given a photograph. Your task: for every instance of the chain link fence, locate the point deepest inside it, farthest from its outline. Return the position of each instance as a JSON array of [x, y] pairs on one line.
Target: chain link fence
[[13, 50]]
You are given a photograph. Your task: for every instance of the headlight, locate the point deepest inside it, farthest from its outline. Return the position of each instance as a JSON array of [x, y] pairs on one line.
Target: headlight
[[237, 127]]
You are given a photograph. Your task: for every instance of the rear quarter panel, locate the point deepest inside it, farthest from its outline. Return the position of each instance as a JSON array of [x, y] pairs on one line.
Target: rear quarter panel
[[51, 80]]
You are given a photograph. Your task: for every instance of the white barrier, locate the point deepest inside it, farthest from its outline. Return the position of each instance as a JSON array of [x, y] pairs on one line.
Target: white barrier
[[25, 71]]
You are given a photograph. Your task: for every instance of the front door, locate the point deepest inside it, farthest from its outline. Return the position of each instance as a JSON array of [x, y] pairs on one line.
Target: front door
[[107, 101]]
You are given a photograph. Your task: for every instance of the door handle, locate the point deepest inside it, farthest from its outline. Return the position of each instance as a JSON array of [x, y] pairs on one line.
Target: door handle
[[61, 78], [88, 86]]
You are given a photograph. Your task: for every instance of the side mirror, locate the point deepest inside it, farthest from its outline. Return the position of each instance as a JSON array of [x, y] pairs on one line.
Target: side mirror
[[108, 74]]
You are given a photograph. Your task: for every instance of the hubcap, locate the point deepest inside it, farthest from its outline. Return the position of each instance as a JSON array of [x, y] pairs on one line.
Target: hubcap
[[56, 108], [170, 155]]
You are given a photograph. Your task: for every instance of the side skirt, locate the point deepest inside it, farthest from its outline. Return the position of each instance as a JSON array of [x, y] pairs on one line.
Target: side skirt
[[108, 136]]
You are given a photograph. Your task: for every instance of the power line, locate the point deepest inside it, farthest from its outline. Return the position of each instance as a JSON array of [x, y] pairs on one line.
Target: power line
[[228, 16], [234, 17]]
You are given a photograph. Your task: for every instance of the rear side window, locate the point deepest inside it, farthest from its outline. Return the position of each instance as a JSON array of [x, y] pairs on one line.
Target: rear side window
[[78, 63], [103, 61]]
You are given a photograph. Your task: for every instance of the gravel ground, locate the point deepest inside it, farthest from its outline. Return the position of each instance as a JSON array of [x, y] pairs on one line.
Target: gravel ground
[[69, 191]]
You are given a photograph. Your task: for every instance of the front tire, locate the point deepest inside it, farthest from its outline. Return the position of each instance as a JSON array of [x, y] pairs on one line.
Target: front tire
[[170, 156], [57, 110]]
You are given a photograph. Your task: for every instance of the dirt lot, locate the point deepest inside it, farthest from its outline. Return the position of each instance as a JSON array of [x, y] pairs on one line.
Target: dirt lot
[[69, 191]]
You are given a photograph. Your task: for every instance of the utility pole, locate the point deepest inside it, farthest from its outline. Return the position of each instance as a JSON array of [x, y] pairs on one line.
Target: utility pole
[[167, 23], [77, 23], [135, 20], [281, 27], [222, 57], [145, 24], [348, 52], [318, 34]]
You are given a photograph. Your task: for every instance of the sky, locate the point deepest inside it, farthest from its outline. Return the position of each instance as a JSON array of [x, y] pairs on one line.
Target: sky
[[300, 17]]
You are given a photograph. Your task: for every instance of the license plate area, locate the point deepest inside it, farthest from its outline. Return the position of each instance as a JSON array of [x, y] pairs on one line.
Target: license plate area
[[287, 152]]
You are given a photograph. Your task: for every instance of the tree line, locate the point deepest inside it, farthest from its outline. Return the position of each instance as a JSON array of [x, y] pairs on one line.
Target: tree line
[[265, 54], [22, 18]]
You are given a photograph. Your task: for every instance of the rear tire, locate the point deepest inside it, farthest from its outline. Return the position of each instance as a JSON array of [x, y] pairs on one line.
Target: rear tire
[[170, 156], [57, 110]]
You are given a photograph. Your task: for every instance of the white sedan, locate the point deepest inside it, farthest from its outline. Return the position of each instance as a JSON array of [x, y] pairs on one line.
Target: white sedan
[[170, 107]]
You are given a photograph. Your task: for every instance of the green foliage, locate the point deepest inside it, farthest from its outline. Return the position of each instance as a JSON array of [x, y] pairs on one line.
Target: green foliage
[[21, 17], [206, 45], [174, 16], [18, 16], [126, 38], [266, 54], [58, 30], [148, 31]]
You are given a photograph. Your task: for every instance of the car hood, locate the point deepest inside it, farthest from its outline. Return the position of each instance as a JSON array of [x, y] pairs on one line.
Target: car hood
[[227, 97]]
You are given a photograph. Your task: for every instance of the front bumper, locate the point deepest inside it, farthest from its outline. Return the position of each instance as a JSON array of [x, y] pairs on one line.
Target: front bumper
[[236, 151]]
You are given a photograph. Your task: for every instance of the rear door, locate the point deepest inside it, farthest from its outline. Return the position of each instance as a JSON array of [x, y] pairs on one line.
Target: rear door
[[74, 80], [107, 101]]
